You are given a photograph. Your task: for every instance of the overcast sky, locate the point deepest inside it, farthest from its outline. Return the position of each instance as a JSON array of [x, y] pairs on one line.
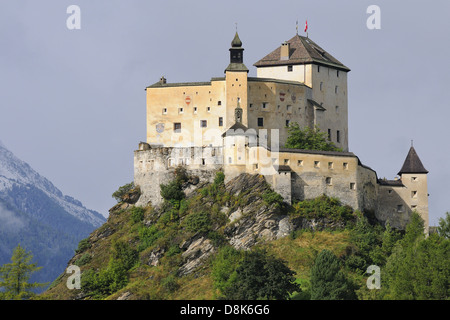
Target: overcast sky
[[73, 101]]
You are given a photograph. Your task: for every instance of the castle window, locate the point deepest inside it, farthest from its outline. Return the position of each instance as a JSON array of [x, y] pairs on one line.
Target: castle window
[[336, 89], [220, 121], [264, 105], [180, 110], [229, 160], [390, 191], [300, 163], [219, 103], [321, 86], [260, 122], [337, 73], [208, 109], [328, 181], [413, 194], [318, 68], [289, 108], [413, 179], [164, 111], [330, 165], [289, 68], [329, 134], [352, 186], [195, 110], [413, 206], [345, 165], [177, 127], [337, 109], [338, 136], [250, 105], [316, 164], [203, 123], [288, 122], [203, 161], [286, 162], [171, 162], [400, 208]]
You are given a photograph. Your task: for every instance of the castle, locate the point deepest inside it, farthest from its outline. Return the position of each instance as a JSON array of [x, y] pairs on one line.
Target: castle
[[238, 124]]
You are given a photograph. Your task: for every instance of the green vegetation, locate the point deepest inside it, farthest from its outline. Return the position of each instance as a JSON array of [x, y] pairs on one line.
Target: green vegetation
[[328, 281], [123, 190], [252, 275], [142, 251], [15, 276], [308, 139]]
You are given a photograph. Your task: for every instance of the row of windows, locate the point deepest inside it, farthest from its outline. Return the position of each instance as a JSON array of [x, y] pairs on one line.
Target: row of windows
[[203, 124], [336, 88], [317, 164], [318, 70]]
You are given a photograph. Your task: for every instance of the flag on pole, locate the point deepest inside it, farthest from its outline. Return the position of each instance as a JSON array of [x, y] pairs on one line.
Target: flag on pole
[[306, 26]]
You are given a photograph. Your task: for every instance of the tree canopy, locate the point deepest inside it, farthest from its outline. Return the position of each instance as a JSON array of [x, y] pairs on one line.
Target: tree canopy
[[308, 139]]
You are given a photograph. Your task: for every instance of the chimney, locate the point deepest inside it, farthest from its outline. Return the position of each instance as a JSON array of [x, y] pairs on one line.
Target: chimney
[[284, 54], [162, 80]]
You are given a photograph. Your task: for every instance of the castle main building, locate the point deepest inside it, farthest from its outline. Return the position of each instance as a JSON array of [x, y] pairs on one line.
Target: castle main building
[[238, 124]]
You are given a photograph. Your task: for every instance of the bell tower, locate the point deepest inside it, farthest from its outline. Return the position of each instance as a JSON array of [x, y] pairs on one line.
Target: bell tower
[[236, 83]]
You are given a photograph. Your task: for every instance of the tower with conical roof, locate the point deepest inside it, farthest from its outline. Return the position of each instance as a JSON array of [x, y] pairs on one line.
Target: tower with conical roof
[[414, 178]]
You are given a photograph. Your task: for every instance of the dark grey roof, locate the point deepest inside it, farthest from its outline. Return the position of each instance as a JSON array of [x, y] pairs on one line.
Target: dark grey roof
[[412, 163], [238, 129], [391, 183], [302, 50], [240, 67]]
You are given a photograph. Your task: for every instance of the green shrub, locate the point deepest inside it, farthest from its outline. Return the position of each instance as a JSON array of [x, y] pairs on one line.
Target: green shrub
[[169, 283], [172, 191], [323, 207], [271, 197], [137, 214], [118, 195], [85, 259], [198, 222], [148, 236], [83, 245]]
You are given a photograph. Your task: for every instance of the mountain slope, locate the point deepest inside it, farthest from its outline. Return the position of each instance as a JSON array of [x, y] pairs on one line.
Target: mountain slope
[[36, 214]]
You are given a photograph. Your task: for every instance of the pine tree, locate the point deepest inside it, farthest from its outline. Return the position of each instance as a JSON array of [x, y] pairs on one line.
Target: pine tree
[[328, 282], [14, 276]]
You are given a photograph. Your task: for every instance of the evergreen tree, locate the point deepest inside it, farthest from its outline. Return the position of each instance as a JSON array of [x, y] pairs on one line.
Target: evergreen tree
[[15, 276], [444, 226], [328, 282], [261, 276], [419, 267]]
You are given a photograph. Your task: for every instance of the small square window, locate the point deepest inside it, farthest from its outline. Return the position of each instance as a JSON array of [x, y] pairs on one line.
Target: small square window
[[400, 208], [219, 103], [195, 110], [352, 186], [345, 165], [180, 110], [330, 165], [220, 121], [289, 68], [264, 105], [300, 163], [414, 206], [286, 161], [250, 105], [164, 111], [288, 122], [203, 124], [328, 181], [414, 179], [260, 122], [177, 127], [413, 194], [316, 164], [390, 191]]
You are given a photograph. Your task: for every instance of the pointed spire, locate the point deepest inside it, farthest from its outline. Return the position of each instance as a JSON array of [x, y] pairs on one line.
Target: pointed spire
[[412, 163], [236, 43]]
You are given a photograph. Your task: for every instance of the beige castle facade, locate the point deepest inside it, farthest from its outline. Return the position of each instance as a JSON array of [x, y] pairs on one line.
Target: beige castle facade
[[238, 124]]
